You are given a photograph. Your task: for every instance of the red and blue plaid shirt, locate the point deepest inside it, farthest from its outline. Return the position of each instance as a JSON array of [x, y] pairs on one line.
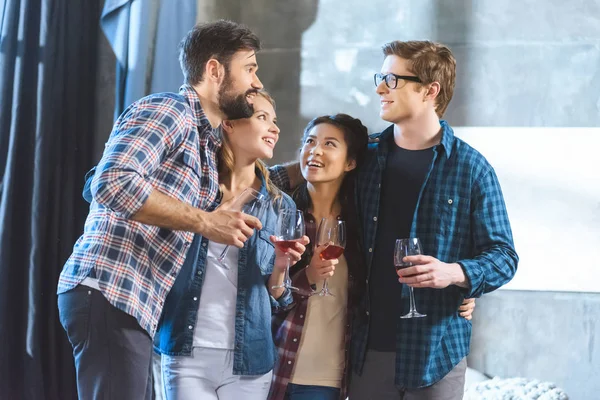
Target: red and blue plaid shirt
[[162, 142]]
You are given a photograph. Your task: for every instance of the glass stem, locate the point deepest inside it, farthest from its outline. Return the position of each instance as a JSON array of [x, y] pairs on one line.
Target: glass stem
[[413, 309], [223, 254], [287, 281], [325, 287]]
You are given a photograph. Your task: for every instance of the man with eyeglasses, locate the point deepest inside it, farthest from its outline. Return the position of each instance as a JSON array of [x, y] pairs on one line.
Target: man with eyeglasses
[[419, 180]]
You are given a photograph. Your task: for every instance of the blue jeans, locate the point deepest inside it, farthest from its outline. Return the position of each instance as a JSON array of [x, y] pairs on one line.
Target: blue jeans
[[311, 392]]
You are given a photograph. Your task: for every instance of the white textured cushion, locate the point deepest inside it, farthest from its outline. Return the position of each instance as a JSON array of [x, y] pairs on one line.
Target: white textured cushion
[[514, 389]]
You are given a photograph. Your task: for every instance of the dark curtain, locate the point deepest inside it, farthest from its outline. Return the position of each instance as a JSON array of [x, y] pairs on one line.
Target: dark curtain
[[47, 91]]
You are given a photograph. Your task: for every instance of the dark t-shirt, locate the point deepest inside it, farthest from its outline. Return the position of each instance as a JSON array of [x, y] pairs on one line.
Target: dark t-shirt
[[404, 174]]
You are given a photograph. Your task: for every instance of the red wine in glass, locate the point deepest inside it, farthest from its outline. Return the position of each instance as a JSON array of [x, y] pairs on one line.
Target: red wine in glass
[[401, 265], [285, 245], [332, 252], [333, 232], [290, 228]]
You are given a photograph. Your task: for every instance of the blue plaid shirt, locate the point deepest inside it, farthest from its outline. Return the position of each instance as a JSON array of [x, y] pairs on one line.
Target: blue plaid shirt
[[460, 217]]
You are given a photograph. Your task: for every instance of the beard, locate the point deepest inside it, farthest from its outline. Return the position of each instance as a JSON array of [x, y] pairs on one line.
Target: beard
[[234, 106]]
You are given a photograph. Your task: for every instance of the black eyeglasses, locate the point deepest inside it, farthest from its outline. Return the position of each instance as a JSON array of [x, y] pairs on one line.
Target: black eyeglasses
[[391, 80]]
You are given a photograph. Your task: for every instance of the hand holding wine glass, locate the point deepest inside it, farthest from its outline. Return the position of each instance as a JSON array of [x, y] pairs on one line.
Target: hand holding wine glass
[[331, 239], [404, 248], [319, 269], [294, 253], [289, 231]]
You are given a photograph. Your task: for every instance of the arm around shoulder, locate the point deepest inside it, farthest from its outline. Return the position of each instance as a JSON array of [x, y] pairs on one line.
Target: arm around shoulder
[[286, 176]]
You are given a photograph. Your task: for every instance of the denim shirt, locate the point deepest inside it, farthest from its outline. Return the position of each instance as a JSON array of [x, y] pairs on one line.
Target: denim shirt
[[254, 349]]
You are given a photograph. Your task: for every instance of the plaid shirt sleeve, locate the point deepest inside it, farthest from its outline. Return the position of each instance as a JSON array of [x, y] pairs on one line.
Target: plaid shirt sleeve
[[279, 176], [140, 140], [496, 262]]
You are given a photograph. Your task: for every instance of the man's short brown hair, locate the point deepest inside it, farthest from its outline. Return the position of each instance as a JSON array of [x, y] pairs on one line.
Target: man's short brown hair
[[431, 62], [220, 40]]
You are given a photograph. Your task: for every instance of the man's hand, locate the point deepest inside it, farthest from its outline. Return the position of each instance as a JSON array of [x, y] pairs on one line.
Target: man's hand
[[229, 227], [319, 269], [294, 253], [222, 225], [466, 309], [429, 272]]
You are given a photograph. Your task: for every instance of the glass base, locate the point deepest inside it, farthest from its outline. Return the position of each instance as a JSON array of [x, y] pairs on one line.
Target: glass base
[[323, 292], [292, 288], [413, 314]]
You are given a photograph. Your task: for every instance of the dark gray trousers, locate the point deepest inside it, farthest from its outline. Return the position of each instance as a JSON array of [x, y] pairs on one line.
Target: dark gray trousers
[[377, 382], [113, 354]]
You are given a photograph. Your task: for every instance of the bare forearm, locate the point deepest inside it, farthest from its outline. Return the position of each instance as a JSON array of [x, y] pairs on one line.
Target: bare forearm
[[166, 212], [458, 276], [276, 279]]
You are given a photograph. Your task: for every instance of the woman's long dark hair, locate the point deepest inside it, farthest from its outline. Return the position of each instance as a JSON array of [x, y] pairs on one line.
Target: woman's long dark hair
[[356, 138]]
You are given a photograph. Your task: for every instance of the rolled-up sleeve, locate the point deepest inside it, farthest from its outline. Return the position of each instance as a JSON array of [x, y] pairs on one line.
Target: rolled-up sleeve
[[141, 138], [496, 261], [282, 302]]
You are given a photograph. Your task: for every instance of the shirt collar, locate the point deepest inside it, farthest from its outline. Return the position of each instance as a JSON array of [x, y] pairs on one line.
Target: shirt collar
[[446, 142], [202, 121]]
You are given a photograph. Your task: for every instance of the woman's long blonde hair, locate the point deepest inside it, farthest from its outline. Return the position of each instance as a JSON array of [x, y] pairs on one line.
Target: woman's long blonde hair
[[227, 159]]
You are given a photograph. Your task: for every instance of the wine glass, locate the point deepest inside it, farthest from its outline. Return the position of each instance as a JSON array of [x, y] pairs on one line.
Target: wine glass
[[332, 232], [408, 247], [249, 202], [290, 229]]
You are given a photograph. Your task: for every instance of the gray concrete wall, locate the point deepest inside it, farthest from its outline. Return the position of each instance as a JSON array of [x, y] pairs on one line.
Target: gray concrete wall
[[549, 336], [531, 63]]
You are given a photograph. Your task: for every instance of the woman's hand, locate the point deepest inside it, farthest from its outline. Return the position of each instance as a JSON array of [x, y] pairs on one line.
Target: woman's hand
[[319, 269], [294, 253], [466, 309], [281, 262]]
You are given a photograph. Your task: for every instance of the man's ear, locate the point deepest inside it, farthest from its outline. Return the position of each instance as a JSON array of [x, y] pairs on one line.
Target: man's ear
[[432, 91], [215, 71], [227, 125]]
